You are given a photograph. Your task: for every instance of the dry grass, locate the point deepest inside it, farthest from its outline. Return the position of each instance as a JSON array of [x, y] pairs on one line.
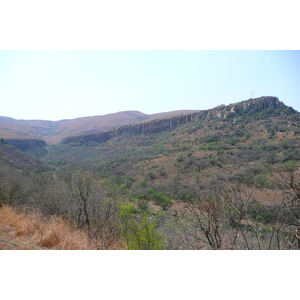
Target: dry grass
[[22, 230]]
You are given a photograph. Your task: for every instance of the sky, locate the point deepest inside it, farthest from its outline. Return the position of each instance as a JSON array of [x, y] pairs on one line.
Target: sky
[[67, 84]]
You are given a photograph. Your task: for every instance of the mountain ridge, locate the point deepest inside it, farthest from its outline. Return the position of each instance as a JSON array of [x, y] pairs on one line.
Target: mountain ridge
[[103, 127], [54, 131], [170, 123]]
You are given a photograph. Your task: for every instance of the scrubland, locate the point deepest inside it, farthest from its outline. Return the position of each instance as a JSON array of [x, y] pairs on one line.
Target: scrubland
[[214, 183]]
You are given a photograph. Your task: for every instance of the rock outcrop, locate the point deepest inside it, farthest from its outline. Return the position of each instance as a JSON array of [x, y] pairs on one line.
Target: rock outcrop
[[159, 125], [26, 144]]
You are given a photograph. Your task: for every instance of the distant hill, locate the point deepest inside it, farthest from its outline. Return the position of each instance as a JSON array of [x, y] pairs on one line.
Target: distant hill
[[55, 131], [169, 122]]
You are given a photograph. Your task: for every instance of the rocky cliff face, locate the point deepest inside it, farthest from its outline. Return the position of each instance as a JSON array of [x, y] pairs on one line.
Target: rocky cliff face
[[159, 125], [251, 105], [26, 144], [262, 103]]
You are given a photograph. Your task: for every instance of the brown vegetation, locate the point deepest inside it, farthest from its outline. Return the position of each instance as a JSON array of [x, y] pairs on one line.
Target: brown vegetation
[[28, 230]]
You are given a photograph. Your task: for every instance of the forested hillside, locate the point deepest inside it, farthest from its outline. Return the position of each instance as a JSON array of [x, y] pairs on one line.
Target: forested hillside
[[225, 178]]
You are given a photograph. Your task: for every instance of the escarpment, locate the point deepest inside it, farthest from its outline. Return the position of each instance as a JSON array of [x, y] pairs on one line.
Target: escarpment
[[160, 125], [26, 144]]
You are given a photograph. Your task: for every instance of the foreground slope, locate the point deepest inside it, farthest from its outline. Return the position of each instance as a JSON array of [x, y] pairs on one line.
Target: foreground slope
[[25, 230]]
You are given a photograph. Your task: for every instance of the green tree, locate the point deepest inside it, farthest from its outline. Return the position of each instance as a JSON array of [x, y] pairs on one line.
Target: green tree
[[138, 230]]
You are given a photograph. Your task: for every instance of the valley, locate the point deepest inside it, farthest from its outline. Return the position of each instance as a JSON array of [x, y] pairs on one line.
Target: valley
[[224, 178]]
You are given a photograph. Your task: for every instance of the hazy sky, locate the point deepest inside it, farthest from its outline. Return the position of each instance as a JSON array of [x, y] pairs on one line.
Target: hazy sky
[[54, 85]]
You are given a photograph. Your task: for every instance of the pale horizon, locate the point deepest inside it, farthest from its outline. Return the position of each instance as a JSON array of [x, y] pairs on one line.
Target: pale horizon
[[58, 85]]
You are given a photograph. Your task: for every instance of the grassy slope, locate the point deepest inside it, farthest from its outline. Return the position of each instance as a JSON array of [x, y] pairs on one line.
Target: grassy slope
[[18, 160], [7, 134], [24, 230]]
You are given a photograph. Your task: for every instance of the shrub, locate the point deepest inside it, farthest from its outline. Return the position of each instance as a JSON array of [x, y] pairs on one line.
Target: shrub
[[139, 233], [143, 196], [260, 180], [143, 184], [258, 212], [159, 199], [151, 175]]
